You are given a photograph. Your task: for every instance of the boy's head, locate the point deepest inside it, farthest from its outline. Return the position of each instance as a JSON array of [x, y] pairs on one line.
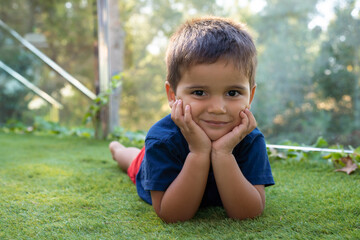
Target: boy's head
[[207, 40]]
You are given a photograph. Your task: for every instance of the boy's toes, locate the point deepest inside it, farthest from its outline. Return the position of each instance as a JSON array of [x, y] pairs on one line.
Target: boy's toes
[[113, 146]]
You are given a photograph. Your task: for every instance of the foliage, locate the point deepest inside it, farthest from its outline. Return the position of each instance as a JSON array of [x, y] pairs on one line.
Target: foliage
[[345, 162], [128, 138], [287, 104], [307, 76], [342, 161], [46, 128], [14, 97], [284, 69], [93, 114], [69, 41], [70, 188], [337, 76]]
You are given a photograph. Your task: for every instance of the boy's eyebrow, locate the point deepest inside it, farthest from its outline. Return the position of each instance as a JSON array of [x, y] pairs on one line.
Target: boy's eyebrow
[[195, 86], [239, 87]]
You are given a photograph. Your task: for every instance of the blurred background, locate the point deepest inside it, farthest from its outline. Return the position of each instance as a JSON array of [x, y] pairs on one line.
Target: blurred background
[[308, 72]]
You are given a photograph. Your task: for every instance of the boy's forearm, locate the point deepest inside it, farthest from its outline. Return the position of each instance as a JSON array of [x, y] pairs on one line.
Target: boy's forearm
[[240, 198], [182, 199]]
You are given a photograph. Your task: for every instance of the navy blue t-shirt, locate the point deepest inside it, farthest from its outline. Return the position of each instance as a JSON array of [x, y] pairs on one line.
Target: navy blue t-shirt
[[166, 150]]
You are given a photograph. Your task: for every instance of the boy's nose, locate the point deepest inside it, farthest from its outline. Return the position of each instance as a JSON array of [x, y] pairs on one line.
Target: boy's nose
[[217, 106]]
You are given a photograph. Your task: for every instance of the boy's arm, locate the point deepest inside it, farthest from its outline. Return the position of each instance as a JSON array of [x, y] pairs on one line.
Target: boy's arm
[[182, 198], [240, 198]]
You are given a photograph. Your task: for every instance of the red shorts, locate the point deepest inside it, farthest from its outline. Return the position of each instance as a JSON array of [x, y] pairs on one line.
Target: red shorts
[[135, 165]]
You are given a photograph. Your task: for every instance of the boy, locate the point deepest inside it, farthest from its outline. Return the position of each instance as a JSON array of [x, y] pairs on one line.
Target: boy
[[208, 151]]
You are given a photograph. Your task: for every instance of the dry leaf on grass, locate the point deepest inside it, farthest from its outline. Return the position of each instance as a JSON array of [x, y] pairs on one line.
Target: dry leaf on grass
[[350, 166]]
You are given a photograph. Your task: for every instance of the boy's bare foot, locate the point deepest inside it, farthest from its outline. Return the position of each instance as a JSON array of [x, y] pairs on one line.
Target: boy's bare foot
[[123, 155], [114, 146]]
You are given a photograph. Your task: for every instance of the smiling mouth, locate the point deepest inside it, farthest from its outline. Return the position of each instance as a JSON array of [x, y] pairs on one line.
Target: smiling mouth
[[215, 123]]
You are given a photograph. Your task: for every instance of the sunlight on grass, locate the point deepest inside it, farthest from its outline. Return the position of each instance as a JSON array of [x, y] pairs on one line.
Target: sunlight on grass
[[70, 188]]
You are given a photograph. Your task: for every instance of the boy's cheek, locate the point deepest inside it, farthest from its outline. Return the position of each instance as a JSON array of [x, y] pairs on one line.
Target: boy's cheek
[[194, 107]]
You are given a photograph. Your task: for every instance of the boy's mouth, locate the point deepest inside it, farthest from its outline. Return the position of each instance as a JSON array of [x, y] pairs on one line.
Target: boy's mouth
[[215, 123]]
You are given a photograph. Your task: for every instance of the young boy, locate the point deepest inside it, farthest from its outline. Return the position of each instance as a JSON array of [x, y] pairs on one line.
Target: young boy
[[208, 151]]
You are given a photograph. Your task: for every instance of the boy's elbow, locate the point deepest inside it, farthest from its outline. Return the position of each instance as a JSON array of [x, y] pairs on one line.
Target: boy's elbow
[[175, 219], [248, 213], [174, 216], [245, 216]]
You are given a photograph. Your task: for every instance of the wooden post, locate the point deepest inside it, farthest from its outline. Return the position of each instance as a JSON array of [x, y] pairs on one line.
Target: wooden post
[[110, 49], [116, 53]]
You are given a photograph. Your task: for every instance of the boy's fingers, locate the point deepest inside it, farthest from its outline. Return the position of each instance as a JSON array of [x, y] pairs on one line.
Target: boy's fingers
[[173, 110], [176, 111], [244, 119], [245, 126], [182, 118], [187, 115], [252, 121], [244, 122], [189, 123]]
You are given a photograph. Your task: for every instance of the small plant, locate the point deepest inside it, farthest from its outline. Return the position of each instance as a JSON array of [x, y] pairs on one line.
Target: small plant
[[343, 162], [93, 114], [44, 127], [297, 155], [129, 138], [15, 126], [48, 127]]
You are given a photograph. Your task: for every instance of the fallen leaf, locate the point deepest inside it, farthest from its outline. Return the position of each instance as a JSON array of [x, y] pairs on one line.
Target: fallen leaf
[[276, 154], [350, 166]]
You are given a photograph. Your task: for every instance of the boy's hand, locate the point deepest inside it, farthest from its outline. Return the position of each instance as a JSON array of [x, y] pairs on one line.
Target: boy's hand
[[196, 137], [227, 143]]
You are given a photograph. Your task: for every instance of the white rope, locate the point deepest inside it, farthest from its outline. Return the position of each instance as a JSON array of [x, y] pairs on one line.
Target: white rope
[[308, 149]]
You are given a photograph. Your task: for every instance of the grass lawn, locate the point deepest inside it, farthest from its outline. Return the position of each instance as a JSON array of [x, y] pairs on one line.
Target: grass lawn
[[70, 188]]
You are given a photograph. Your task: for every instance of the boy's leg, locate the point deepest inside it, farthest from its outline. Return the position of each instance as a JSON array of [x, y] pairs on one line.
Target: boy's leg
[[123, 155]]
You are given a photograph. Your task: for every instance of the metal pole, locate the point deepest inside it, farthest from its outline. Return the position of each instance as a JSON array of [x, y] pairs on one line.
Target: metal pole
[[31, 86], [49, 62]]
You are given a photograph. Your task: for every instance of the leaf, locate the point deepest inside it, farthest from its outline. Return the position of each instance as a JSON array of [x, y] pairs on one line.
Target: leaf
[[321, 143], [273, 154], [350, 166], [336, 156], [357, 151]]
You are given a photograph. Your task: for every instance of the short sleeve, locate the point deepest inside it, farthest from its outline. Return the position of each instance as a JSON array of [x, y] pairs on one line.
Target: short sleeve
[[161, 165], [253, 161]]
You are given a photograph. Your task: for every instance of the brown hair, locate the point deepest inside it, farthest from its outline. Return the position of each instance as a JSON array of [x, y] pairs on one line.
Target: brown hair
[[206, 40]]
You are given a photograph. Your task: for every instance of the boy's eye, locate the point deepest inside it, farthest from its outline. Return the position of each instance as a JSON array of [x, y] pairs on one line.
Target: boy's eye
[[198, 93], [233, 93]]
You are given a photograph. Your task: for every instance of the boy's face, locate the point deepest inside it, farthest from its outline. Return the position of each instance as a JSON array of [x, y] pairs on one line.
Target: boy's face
[[217, 93]]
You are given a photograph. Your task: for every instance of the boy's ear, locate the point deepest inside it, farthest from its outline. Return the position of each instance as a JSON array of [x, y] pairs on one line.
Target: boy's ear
[[170, 94], [252, 94]]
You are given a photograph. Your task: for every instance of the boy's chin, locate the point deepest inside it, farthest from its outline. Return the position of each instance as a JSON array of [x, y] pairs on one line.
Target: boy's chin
[[215, 136]]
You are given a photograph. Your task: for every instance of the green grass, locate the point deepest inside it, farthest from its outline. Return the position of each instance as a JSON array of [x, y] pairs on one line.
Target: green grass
[[70, 188]]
